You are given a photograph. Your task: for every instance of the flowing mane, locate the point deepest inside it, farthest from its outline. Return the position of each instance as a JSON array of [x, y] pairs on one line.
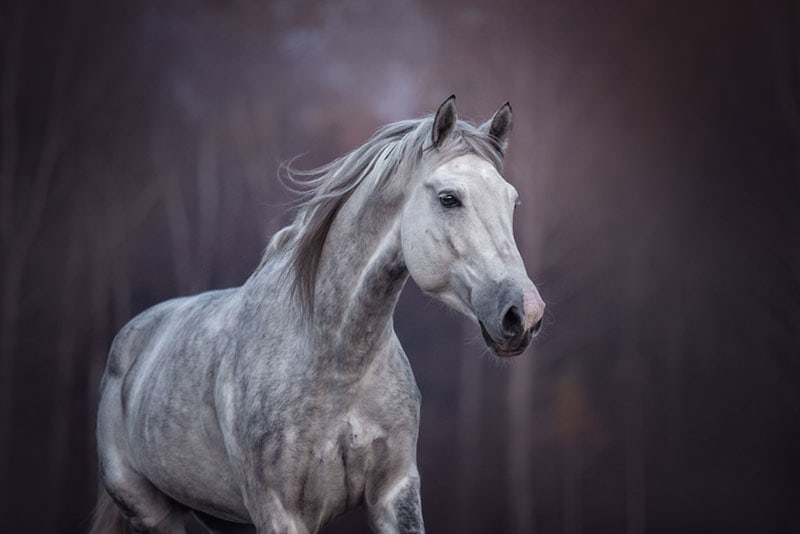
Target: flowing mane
[[392, 153]]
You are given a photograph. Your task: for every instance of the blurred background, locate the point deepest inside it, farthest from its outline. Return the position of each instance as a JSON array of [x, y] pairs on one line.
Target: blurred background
[[656, 147]]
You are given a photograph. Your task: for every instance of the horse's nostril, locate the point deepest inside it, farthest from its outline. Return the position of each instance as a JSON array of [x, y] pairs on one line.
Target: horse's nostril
[[512, 321], [537, 327]]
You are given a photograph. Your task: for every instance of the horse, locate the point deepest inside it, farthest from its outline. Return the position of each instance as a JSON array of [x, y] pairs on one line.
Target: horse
[[281, 404]]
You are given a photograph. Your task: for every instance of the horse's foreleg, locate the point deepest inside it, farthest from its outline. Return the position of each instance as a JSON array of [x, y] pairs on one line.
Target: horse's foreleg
[[398, 509], [270, 516]]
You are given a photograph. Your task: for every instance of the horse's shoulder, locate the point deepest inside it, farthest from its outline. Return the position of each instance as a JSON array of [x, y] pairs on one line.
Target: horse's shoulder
[[392, 380]]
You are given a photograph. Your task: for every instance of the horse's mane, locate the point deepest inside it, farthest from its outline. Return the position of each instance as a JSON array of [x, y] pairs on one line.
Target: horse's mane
[[393, 152]]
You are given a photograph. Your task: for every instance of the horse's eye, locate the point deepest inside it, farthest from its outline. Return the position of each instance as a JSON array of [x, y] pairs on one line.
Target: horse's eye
[[449, 200]]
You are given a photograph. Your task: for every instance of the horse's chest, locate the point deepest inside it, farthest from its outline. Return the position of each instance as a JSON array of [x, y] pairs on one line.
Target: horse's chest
[[340, 463]]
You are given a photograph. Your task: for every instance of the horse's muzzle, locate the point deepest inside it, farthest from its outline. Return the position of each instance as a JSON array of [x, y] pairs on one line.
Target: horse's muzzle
[[517, 321], [513, 346]]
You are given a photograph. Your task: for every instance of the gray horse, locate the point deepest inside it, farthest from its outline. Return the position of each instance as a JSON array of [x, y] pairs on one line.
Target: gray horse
[[289, 400]]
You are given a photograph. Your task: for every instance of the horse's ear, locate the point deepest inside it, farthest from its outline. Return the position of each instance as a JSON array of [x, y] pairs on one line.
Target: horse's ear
[[444, 121], [500, 126]]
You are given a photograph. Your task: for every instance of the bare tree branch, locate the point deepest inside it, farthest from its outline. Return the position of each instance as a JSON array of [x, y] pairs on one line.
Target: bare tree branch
[[206, 179]]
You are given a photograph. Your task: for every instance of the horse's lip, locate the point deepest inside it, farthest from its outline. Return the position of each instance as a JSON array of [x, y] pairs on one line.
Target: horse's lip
[[512, 352], [501, 351]]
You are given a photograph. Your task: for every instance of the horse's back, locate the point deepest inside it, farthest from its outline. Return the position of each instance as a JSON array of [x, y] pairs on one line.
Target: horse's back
[[131, 340], [170, 321]]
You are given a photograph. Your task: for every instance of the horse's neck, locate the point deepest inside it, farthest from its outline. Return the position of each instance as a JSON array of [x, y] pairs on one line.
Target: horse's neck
[[360, 276]]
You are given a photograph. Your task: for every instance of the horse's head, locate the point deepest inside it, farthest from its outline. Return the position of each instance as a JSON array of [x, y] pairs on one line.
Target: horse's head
[[457, 236]]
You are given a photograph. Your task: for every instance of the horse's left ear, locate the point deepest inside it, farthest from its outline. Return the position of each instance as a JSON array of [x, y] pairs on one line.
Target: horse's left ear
[[500, 126], [444, 122]]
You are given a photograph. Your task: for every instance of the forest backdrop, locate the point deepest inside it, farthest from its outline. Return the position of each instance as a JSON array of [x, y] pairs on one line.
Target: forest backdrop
[[656, 147]]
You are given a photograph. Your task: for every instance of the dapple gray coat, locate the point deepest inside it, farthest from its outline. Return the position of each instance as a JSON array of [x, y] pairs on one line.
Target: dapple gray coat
[[289, 400]]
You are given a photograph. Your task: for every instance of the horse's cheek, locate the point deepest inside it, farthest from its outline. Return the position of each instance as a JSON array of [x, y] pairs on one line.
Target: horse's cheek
[[421, 262]]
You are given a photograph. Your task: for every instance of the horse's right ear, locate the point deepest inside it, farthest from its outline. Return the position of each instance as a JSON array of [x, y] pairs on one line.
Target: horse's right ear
[[499, 127], [444, 122]]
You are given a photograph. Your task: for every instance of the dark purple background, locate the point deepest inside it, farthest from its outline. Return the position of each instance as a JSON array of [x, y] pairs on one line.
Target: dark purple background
[[657, 151]]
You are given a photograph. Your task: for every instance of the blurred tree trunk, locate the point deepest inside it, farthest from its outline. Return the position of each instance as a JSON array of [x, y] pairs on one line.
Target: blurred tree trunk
[[64, 372], [520, 445], [634, 375], [13, 256], [570, 426], [469, 428], [192, 228], [25, 197]]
